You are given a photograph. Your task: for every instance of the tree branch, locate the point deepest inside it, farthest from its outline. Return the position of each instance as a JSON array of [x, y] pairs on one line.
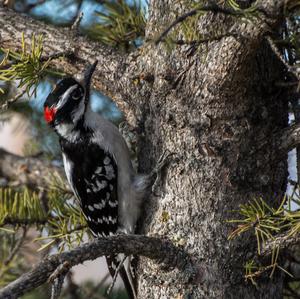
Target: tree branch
[[282, 241], [61, 40], [213, 7], [162, 251], [266, 9], [288, 138]]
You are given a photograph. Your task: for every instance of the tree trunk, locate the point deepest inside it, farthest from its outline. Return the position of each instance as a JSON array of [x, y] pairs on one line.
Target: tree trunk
[[214, 107]]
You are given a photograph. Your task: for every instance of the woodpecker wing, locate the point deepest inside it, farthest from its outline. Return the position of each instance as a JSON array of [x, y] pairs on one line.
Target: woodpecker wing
[[93, 176]]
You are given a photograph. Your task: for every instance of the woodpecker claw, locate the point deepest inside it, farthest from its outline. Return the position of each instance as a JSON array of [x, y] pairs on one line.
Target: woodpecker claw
[[161, 163]]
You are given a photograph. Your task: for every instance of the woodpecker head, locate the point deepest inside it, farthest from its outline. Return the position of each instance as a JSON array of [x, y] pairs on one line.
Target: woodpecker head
[[68, 101]]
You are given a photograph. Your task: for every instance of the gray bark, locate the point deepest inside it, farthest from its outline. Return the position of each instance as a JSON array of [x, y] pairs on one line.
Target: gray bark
[[214, 107], [217, 109]]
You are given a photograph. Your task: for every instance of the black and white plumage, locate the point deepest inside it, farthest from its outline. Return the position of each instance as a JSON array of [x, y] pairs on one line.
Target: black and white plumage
[[93, 175], [97, 164]]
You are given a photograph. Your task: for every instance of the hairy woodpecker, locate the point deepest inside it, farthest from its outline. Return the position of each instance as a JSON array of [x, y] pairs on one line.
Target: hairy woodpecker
[[97, 164]]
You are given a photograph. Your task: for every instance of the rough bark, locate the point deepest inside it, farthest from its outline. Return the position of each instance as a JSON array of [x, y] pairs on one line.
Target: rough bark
[[213, 106]]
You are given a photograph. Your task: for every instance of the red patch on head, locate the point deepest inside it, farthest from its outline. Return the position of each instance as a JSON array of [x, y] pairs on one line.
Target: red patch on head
[[49, 114]]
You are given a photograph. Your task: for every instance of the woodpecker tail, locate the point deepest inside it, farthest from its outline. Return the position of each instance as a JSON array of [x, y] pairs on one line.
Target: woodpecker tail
[[113, 263]]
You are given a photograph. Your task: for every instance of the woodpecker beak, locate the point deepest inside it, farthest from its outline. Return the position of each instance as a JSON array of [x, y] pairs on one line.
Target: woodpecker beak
[[87, 78]]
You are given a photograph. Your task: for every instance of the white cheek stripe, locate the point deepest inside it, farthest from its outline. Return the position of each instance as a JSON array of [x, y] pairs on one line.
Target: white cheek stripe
[[65, 96]]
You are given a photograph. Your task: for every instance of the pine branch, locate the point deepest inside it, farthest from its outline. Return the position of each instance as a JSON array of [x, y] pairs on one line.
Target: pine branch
[[16, 248], [212, 7], [121, 24], [161, 251], [58, 40], [10, 263]]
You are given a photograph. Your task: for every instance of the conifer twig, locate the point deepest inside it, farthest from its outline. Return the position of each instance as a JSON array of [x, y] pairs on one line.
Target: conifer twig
[[14, 251], [211, 7], [68, 54], [16, 247]]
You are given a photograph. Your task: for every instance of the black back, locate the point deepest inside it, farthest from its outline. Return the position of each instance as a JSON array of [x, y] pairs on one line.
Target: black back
[[94, 180]]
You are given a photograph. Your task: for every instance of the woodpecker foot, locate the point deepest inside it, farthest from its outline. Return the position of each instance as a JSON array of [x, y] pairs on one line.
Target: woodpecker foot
[[163, 160]]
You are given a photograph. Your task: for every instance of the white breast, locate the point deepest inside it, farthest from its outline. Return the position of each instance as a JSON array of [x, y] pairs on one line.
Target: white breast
[[68, 165]]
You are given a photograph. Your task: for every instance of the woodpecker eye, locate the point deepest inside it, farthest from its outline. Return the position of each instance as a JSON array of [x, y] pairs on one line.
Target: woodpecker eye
[[76, 94]]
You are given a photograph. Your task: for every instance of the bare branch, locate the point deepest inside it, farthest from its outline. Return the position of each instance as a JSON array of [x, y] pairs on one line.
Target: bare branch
[[280, 57], [57, 279], [282, 241], [162, 251], [77, 21], [288, 138]]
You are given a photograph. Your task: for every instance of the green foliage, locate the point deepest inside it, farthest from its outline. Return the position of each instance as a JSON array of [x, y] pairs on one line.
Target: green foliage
[[253, 270], [19, 208], [267, 224], [63, 222], [187, 31], [249, 12], [121, 25], [263, 219], [10, 266], [39, 293], [28, 67], [67, 226]]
